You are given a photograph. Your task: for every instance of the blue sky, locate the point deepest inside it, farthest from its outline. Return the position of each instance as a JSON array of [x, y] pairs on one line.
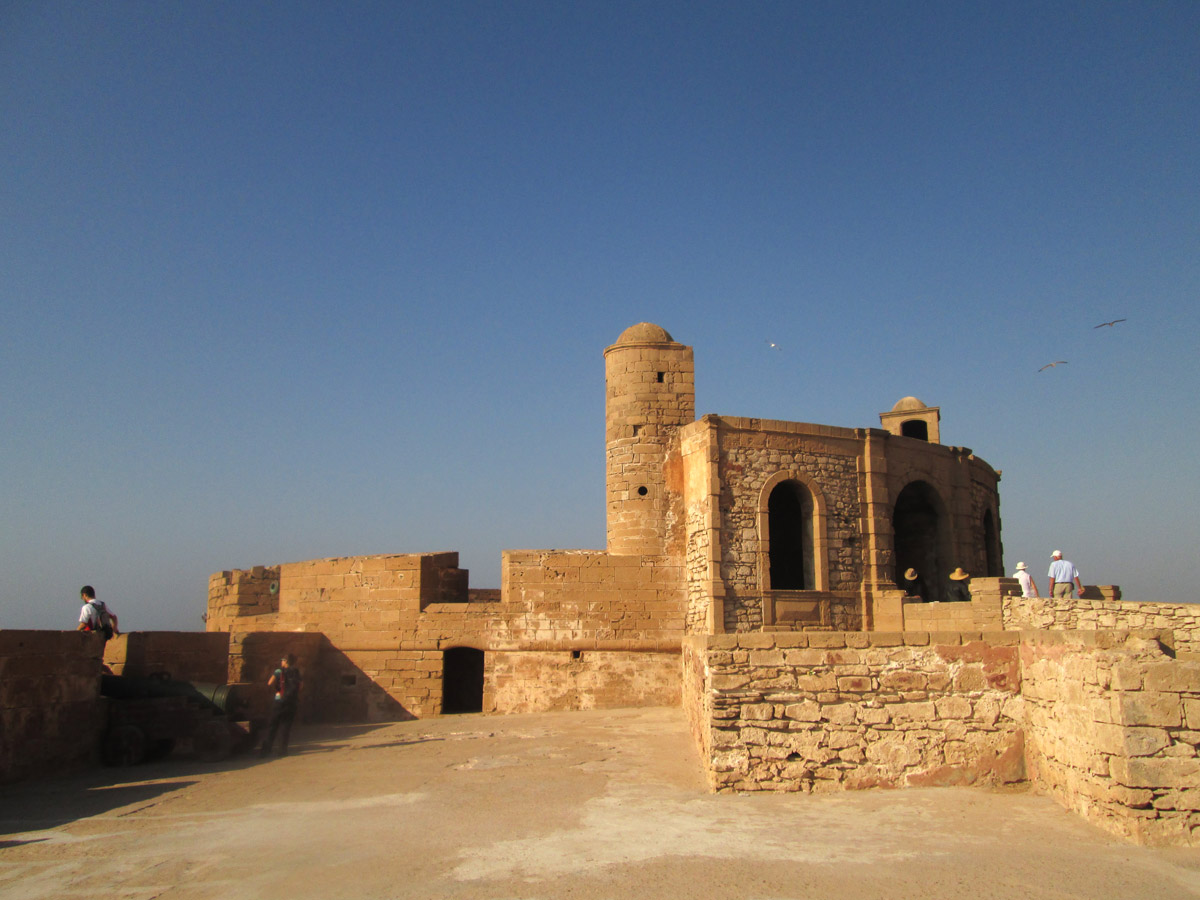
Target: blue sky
[[281, 281]]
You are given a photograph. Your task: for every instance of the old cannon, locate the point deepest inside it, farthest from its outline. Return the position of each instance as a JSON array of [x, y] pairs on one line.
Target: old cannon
[[149, 717]]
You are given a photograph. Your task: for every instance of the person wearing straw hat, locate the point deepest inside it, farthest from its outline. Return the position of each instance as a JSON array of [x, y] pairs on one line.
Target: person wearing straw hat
[[1028, 588], [912, 586], [959, 590]]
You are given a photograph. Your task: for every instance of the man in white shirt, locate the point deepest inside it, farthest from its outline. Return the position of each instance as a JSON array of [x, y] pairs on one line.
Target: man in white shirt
[[1064, 577]]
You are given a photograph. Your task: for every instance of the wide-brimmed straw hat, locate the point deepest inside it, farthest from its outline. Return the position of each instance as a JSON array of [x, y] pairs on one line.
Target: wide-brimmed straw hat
[[959, 575], [1022, 566], [910, 574]]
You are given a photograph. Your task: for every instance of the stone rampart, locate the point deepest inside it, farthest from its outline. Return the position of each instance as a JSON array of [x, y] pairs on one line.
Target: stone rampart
[[51, 717], [1103, 613], [834, 711], [387, 621], [1112, 731]]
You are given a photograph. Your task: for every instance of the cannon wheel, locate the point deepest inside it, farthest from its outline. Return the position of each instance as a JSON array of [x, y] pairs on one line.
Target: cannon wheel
[[124, 745], [212, 740]]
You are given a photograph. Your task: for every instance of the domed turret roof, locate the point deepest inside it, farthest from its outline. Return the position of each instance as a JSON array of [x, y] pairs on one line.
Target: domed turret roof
[[645, 333], [905, 404]]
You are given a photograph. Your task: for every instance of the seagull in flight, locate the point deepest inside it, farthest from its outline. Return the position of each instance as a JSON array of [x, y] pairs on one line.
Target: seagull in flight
[[1061, 362], [1108, 324], [772, 345]]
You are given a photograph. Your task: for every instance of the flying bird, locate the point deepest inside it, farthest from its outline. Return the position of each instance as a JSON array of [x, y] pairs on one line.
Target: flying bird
[[1061, 362], [1107, 324], [772, 345]]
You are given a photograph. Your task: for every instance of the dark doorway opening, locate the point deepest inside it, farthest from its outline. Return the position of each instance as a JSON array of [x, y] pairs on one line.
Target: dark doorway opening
[[462, 680], [915, 428], [921, 540], [991, 541], [790, 534]]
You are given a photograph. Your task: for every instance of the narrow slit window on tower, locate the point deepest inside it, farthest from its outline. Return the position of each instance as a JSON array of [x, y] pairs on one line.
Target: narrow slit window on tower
[[661, 375]]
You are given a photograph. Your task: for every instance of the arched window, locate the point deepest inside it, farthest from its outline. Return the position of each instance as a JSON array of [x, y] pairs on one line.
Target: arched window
[[915, 428], [790, 535], [462, 680]]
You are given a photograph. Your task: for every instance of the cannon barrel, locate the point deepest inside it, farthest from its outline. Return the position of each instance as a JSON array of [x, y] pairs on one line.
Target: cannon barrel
[[227, 699]]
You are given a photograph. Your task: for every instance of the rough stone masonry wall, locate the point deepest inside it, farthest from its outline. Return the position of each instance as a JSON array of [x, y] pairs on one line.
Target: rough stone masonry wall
[[698, 550], [51, 719], [1113, 728], [751, 455], [833, 711], [1070, 614]]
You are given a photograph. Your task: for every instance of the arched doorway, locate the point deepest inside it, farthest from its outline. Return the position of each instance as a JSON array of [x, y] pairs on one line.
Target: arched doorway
[[462, 680], [922, 542], [790, 537]]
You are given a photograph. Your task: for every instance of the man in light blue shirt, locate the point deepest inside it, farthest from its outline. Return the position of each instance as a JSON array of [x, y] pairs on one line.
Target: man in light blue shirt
[[1064, 577]]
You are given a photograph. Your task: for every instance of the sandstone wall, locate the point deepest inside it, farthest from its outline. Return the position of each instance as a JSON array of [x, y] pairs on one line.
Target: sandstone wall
[[520, 682], [51, 717], [1113, 727], [185, 655], [387, 622], [1094, 614], [833, 711]]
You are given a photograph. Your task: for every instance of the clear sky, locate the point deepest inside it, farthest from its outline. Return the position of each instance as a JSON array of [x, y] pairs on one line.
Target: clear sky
[[281, 281]]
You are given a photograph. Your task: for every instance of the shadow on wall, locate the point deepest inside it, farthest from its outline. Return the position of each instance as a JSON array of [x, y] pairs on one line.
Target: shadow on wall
[[343, 692], [335, 689]]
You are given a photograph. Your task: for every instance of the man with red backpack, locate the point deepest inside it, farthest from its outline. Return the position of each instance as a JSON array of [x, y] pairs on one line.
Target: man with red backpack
[[95, 616], [286, 681]]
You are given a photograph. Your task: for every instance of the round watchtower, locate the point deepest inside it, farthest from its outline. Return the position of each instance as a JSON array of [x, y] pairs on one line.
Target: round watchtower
[[650, 390]]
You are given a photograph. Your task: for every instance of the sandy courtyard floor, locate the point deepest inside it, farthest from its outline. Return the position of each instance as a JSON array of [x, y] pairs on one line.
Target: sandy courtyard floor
[[605, 804]]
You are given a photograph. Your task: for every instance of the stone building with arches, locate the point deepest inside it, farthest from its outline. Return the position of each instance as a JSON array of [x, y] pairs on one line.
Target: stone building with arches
[[716, 525], [786, 524]]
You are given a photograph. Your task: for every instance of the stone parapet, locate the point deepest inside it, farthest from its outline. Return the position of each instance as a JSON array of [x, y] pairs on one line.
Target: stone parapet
[[51, 715], [846, 710], [1092, 613]]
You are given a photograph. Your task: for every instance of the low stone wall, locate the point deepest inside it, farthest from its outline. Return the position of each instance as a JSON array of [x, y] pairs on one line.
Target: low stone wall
[[834, 711], [51, 718], [1093, 614], [1113, 730]]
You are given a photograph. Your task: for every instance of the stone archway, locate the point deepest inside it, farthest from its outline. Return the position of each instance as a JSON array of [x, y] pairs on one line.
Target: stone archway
[[922, 539]]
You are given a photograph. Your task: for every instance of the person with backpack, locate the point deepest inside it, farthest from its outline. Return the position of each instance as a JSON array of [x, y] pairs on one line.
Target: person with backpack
[[286, 682], [95, 616]]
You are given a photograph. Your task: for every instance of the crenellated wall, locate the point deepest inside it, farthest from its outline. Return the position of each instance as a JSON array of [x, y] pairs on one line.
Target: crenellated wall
[[386, 621]]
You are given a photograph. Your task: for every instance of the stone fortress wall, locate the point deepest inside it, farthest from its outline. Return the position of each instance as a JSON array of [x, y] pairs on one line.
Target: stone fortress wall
[[570, 630], [751, 574]]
